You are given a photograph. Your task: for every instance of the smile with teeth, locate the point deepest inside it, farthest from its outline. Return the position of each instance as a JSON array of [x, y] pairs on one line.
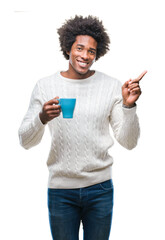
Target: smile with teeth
[[82, 64]]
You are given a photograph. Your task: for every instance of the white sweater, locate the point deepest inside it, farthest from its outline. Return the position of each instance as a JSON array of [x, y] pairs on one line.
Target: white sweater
[[79, 154]]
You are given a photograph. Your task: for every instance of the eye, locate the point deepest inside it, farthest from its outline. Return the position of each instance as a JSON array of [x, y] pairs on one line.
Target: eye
[[92, 52], [79, 48]]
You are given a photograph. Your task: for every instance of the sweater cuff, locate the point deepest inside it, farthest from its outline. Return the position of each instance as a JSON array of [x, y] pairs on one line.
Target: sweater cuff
[[129, 107], [129, 112], [37, 122]]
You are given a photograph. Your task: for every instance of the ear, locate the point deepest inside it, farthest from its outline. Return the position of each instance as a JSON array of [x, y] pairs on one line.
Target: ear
[[94, 60], [68, 53]]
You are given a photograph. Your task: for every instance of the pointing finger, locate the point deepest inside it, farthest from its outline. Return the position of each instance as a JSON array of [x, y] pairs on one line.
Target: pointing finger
[[139, 78], [142, 75]]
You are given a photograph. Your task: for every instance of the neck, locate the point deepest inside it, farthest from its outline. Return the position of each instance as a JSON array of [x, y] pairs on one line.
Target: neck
[[72, 74]]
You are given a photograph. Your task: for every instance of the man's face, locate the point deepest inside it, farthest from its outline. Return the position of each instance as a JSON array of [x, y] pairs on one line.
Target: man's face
[[82, 55]]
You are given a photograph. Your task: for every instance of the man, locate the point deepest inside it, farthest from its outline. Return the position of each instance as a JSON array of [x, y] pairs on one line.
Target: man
[[80, 186]]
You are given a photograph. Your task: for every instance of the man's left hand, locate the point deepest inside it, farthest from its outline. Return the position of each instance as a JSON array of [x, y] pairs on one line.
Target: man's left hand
[[131, 90]]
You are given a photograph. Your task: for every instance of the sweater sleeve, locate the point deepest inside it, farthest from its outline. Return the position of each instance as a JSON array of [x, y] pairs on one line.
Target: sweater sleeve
[[31, 129], [124, 122]]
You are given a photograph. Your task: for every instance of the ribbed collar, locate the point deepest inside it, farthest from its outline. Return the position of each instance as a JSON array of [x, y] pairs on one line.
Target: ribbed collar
[[80, 81]]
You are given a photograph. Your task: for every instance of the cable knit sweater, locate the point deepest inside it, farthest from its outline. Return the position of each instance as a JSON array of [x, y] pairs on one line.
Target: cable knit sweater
[[79, 154]]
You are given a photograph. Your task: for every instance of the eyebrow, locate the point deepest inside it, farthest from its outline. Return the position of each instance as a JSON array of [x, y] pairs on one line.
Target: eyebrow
[[81, 45]]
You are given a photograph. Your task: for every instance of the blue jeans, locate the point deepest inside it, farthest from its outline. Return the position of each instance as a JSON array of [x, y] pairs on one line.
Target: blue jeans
[[92, 205]]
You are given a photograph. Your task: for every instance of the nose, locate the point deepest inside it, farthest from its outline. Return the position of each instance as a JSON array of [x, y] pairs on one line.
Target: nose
[[84, 55]]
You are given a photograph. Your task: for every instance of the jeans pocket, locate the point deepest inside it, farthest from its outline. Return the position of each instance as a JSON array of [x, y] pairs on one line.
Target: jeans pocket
[[107, 185]]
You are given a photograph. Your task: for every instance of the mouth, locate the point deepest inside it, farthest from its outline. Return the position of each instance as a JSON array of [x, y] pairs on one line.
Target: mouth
[[82, 64]]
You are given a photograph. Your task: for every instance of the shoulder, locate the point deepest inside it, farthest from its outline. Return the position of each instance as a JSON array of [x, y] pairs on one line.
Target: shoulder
[[46, 81], [109, 80]]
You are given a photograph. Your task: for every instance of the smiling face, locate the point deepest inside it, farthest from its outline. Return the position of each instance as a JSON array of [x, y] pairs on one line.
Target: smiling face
[[82, 56]]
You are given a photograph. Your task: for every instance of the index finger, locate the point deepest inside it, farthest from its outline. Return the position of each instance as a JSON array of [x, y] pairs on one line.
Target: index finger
[[52, 101], [139, 78], [141, 75]]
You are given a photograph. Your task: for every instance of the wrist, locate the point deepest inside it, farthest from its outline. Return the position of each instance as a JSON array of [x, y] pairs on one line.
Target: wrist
[[41, 118]]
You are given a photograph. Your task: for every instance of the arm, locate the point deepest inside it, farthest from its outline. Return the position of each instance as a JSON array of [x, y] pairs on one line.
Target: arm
[[125, 124], [38, 114], [123, 118], [32, 129]]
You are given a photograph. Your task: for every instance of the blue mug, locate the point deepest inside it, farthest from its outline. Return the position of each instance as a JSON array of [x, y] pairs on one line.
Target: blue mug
[[67, 106]]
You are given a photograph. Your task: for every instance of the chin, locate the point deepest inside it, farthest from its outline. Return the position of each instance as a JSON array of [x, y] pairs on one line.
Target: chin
[[83, 71]]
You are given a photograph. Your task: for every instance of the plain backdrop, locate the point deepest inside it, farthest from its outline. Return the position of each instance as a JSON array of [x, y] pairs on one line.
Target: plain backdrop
[[29, 50]]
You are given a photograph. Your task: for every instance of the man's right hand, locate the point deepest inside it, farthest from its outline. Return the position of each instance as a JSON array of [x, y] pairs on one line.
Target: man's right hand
[[50, 110]]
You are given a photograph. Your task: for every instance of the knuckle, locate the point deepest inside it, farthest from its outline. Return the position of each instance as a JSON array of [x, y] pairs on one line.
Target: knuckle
[[55, 107], [46, 107]]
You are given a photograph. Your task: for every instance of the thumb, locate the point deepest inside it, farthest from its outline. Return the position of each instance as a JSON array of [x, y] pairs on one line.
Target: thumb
[[125, 85]]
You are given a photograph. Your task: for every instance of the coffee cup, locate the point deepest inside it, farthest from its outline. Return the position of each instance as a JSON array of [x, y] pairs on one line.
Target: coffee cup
[[67, 106]]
